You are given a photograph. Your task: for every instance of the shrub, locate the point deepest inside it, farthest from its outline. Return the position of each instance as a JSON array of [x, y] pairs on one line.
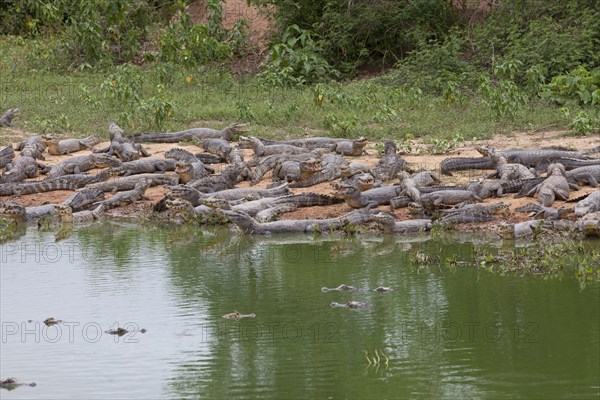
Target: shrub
[[297, 60]]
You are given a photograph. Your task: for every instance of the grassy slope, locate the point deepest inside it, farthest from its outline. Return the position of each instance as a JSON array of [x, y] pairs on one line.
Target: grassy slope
[[75, 105]]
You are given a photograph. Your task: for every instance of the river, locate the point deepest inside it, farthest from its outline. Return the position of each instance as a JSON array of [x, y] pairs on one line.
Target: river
[[444, 332]]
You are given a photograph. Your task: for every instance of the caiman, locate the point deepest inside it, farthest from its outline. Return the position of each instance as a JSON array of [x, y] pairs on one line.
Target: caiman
[[409, 186], [79, 164], [449, 197], [273, 213], [238, 315], [350, 304], [589, 175], [389, 224], [290, 171], [262, 150], [533, 157], [33, 146], [123, 147], [194, 133], [331, 169], [588, 205], [215, 183], [6, 155], [13, 383], [129, 182], [66, 182], [369, 198], [180, 154], [426, 178], [254, 207], [84, 199], [342, 288], [555, 185], [21, 168], [390, 164], [351, 148], [508, 171], [536, 211], [269, 163], [469, 213], [236, 157], [461, 163], [19, 189], [249, 225], [67, 146], [309, 143], [148, 165], [217, 146], [67, 216], [363, 181], [7, 117], [127, 197], [12, 211], [189, 172]]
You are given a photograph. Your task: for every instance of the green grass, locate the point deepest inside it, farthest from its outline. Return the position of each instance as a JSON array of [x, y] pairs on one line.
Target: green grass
[[74, 104]]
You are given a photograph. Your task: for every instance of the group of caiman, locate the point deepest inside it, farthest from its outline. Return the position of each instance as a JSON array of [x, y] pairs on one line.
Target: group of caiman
[[203, 186]]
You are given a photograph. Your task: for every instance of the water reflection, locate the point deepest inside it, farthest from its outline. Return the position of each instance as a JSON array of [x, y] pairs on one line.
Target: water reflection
[[448, 332]]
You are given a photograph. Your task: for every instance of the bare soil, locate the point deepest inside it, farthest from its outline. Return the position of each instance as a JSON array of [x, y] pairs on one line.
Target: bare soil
[[518, 140]]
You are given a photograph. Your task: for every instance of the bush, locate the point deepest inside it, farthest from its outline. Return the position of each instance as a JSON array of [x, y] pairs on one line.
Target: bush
[[579, 86], [378, 32], [297, 60], [105, 32]]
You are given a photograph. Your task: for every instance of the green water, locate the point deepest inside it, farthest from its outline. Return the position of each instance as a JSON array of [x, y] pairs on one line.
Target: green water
[[447, 332]]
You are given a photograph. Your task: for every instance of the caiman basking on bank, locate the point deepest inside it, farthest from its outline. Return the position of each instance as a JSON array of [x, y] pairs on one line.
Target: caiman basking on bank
[[21, 168], [555, 185], [389, 224], [79, 164], [262, 150], [194, 133], [6, 155], [58, 147], [7, 117], [390, 164], [67, 216], [369, 198], [250, 225]]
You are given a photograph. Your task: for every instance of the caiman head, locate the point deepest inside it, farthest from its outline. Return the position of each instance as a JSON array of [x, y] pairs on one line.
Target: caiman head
[[384, 219], [364, 182], [346, 171], [246, 142], [389, 148], [556, 169], [114, 131], [49, 140], [64, 212], [183, 167], [113, 172], [345, 191], [215, 203], [485, 151], [182, 192], [179, 205], [311, 165], [102, 160], [360, 142], [10, 210]]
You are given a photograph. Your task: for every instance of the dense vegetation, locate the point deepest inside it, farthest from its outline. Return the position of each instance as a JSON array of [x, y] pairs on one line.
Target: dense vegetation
[[452, 71]]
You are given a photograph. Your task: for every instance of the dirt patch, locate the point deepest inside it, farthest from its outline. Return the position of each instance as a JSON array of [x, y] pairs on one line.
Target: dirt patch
[[520, 140]]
